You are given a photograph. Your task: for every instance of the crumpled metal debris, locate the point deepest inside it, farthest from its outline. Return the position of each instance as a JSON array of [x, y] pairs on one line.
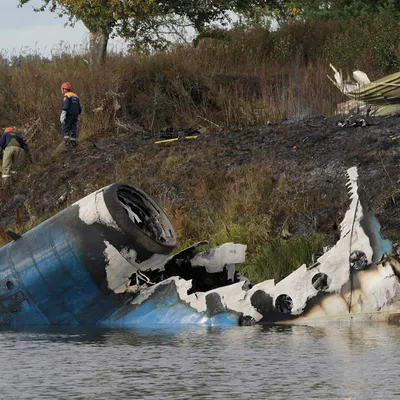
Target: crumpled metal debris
[[380, 97], [354, 123]]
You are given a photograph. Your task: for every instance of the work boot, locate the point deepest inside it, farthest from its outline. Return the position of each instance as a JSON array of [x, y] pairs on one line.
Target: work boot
[[73, 143], [66, 142]]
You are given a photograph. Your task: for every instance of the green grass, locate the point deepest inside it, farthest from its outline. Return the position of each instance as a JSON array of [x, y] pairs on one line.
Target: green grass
[[277, 257]]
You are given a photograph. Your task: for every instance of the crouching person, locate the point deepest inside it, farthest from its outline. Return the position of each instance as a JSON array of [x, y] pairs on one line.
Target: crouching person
[[13, 147]]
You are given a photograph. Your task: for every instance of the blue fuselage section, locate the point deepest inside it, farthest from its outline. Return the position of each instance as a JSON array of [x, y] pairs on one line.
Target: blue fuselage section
[[43, 281], [54, 275]]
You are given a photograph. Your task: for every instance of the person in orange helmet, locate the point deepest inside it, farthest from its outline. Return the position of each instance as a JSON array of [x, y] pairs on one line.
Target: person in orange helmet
[[70, 114], [12, 147]]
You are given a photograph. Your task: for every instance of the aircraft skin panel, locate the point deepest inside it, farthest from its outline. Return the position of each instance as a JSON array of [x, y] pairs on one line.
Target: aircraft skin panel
[[165, 307], [55, 281]]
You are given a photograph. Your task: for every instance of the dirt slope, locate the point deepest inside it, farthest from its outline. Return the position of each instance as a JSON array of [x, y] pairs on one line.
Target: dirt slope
[[312, 154]]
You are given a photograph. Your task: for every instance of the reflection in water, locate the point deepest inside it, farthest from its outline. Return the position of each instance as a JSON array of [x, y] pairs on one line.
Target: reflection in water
[[273, 362]]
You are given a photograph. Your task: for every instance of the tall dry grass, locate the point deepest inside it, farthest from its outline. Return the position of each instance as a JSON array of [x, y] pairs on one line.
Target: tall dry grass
[[244, 77]]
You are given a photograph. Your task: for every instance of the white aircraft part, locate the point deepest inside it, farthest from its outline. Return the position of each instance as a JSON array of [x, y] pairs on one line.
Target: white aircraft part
[[361, 77], [92, 209], [215, 259], [121, 265]]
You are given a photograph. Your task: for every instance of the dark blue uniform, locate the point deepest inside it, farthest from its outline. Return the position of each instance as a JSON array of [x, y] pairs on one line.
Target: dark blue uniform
[[72, 109], [12, 147], [6, 138]]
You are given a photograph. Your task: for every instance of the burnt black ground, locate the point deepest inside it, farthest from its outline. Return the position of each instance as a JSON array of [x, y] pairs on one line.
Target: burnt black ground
[[313, 153]]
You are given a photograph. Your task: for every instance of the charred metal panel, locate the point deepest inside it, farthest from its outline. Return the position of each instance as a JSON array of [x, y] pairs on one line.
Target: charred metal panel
[[61, 269]]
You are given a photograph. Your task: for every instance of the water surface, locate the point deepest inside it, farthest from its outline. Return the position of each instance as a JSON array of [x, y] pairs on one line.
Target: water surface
[[332, 362]]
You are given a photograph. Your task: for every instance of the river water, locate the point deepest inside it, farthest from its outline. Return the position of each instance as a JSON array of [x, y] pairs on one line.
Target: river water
[[330, 362]]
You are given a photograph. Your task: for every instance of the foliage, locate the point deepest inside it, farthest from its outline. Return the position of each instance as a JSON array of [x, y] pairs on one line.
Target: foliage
[[102, 18], [147, 22], [104, 15], [283, 11], [158, 33], [255, 17], [370, 42], [345, 9], [278, 257]]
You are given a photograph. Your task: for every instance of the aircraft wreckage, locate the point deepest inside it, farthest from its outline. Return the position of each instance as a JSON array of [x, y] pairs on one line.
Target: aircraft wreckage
[[104, 261], [377, 98]]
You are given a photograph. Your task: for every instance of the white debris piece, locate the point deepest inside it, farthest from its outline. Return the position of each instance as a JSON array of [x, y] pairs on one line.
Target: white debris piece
[[119, 268], [215, 259], [92, 209]]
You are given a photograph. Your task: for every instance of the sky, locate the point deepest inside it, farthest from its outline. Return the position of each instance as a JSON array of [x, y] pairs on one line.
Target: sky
[[42, 32]]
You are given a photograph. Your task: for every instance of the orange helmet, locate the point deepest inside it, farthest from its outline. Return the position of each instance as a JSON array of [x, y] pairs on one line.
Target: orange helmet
[[66, 85], [8, 130]]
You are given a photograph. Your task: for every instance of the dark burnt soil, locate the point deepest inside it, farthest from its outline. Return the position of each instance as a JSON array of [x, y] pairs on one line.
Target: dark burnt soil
[[312, 154]]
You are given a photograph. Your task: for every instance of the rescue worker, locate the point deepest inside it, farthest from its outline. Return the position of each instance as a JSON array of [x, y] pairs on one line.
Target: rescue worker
[[12, 147], [70, 114]]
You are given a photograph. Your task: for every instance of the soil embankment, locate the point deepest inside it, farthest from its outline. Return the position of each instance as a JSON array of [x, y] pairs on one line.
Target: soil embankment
[[310, 156]]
